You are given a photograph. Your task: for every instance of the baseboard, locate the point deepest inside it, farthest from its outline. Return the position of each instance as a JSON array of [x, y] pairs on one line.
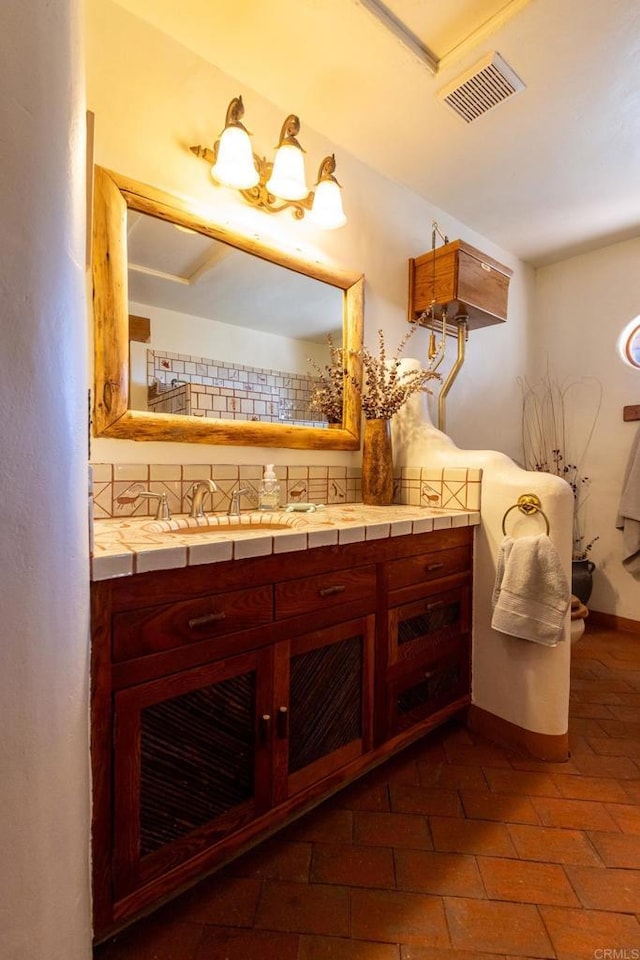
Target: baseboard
[[543, 746], [609, 621]]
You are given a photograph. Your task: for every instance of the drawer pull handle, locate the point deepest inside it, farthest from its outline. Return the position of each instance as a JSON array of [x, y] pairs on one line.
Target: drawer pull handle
[[434, 606], [283, 723], [265, 726], [196, 622], [331, 591], [431, 567]]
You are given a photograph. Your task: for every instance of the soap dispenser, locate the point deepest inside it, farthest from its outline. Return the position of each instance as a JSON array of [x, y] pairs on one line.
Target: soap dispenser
[[269, 492]]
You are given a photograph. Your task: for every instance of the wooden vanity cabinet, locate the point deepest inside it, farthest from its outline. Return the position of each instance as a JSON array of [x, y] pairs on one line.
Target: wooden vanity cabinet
[[201, 754], [221, 710]]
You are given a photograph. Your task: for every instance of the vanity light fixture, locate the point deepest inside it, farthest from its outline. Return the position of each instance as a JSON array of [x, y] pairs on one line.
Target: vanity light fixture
[[278, 185]]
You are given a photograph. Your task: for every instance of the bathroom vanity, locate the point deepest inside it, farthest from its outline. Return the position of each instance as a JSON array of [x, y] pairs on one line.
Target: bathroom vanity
[[229, 696]]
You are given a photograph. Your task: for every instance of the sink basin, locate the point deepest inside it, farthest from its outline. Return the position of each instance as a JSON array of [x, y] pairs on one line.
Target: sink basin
[[234, 527], [221, 525]]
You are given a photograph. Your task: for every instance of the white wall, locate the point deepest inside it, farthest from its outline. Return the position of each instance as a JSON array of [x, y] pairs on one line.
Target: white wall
[[44, 624], [581, 307], [153, 99]]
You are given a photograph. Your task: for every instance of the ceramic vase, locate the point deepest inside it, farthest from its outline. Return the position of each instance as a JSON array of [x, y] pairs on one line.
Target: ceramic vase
[[582, 579], [377, 463]]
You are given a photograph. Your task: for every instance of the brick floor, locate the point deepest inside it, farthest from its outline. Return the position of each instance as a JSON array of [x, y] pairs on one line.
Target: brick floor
[[456, 850]]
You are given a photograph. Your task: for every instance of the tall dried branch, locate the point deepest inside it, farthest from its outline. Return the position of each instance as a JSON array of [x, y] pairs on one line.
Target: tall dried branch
[[328, 391], [556, 434], [383, 387]]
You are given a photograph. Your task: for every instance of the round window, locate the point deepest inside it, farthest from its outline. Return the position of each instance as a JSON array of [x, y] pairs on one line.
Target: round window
[[629, 343]]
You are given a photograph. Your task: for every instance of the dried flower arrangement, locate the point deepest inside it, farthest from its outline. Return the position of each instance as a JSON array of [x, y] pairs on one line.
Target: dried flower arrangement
[[556, 439], [382, 387], [329, 389]]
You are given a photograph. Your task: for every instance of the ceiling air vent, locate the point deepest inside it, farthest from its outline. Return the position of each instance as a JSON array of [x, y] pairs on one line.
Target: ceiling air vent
[[483, 87]]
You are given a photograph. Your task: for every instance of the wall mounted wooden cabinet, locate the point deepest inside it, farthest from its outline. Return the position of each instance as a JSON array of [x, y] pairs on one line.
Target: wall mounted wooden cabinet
[[219, 714], [463, 279]]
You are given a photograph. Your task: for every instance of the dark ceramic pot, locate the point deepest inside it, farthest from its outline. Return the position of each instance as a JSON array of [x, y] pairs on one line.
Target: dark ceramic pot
[[582, 579]]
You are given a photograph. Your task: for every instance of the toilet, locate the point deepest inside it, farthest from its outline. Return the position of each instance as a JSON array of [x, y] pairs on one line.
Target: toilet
[[579, 614]]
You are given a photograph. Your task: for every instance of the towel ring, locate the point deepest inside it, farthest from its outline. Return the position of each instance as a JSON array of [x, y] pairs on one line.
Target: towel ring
[[528, 504]]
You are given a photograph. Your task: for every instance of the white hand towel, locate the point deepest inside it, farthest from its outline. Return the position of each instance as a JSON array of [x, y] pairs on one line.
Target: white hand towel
[[628, 519], [531, 593]]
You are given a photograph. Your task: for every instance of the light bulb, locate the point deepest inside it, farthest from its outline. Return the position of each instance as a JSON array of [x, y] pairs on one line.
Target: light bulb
[[327, 211], [234, 166], [287, 179]]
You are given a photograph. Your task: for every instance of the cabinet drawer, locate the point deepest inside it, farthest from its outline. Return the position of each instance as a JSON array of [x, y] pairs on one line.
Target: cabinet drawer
[[428, 566], [154, 629], [428, 689], [296, 597], [425, 628]]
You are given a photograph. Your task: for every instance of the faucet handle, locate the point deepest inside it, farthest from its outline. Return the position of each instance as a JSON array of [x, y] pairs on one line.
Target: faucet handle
[[234, 506], [162, 511]]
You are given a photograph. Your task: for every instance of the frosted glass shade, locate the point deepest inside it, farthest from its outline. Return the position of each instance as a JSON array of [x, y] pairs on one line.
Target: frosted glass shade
[[234, 165], [327, 211], [287, 177]]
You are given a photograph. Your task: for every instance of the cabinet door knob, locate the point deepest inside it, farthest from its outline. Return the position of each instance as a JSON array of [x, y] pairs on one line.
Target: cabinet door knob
[[432, 567], [196, 622], [282, 723], [265, 726], [331, 591]]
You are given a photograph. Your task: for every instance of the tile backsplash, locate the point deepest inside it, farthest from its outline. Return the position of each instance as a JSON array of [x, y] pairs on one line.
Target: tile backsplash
[[116, 486], [458, 488], [202, 387]]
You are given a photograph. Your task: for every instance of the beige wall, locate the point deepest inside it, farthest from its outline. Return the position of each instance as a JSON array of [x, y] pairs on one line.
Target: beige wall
[[582, 305], [152, 98]]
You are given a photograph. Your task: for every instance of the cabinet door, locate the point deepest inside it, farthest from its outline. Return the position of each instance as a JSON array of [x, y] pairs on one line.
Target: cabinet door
[[428, 689], [427, 659], [426, 629], [191, 764], [323, 703]]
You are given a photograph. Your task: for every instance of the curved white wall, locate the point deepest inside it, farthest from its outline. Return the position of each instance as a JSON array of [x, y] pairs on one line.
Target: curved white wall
[[44, 787], [522, 682]]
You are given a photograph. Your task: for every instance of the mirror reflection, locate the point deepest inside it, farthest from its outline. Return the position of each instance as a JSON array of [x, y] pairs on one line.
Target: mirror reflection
[[222, 333], [171, 310]]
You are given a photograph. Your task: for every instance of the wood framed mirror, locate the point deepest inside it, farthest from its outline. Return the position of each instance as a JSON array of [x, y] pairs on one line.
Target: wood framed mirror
[[121, 204]]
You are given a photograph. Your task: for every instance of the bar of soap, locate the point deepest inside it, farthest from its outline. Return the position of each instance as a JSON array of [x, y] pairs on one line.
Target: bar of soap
[[304, 507]]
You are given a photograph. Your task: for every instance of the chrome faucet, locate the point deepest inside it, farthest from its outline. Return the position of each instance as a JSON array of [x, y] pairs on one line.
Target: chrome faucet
[[198, 492], [234, 506]]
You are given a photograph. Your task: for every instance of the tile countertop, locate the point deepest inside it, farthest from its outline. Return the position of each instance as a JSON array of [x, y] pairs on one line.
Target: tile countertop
[[122, 547]]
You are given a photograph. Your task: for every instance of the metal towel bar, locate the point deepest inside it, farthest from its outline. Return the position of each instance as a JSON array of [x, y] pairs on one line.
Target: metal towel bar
[[528, 504]]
